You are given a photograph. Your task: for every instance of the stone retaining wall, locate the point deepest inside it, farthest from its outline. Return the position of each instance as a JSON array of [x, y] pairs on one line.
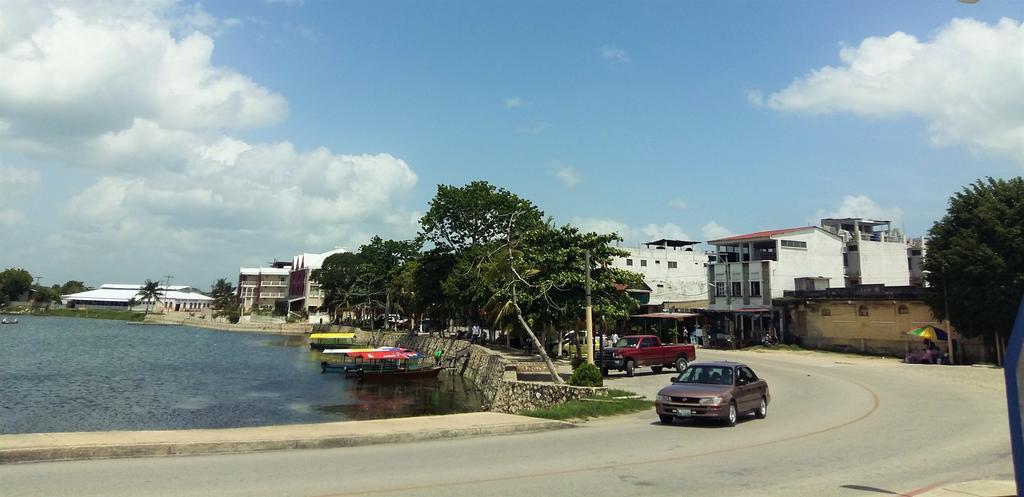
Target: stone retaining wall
[[490, 372]]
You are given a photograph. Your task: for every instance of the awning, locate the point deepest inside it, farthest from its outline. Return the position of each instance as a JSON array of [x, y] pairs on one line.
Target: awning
[[295, 299], [753, 310], [665, 315]]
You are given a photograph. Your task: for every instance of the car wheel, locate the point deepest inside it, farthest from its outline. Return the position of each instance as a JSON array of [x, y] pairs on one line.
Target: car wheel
[[680, 364], [656, 369], [630, 366], [730, 419], [665, 419], [762, 411]]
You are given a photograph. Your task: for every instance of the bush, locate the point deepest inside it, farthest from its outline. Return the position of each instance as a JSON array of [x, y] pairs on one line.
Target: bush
[[586, 375], [576, 362]]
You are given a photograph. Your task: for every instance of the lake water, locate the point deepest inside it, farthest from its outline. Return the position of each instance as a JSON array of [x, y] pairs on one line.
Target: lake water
[[69, 374]]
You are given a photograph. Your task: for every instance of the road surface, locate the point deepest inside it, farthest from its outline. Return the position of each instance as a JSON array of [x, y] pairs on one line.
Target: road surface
[[837, 425]]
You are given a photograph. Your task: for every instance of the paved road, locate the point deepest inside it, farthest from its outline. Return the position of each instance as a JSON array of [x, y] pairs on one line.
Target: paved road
[[836, 426]]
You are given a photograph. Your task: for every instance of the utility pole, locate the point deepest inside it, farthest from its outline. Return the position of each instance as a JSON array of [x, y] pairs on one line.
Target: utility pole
[[945, 303], [168, 287], [590, 315]]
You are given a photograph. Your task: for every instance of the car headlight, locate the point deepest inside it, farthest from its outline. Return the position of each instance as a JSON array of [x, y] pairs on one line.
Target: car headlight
[[711, 401], [616, 355], [664, 397]]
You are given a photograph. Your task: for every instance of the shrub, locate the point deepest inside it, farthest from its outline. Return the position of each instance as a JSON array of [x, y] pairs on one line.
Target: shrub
[[576, 362], [587, 375]]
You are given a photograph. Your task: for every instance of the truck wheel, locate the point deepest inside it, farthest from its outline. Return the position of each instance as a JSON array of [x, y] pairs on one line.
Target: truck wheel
[[680, 364], [656, 369], [665, 419], [630, 366]]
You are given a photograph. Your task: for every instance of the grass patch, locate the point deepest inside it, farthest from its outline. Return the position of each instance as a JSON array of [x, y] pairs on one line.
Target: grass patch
[[114, 314], [593, 407]]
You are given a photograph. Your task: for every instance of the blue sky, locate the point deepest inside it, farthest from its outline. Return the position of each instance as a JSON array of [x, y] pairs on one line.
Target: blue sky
[[200, 137]]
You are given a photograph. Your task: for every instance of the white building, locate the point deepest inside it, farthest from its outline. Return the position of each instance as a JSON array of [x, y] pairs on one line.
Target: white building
[[262, 287], [917, 249], [749, 270], [118, 296], [304, 294], [874, 253], [673, 270]]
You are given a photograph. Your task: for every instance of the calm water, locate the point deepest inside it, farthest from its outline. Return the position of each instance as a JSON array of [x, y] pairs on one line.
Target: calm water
[[69, 374]]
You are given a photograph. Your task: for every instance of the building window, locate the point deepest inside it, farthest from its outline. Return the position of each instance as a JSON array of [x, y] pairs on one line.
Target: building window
[[737, 289], [755, 288], [643, 262], [672, 264], [661, 286], [629, 262], [793, 244], [657, 262], [720, 289], [852, 248], [903, 310], [862, 311], [915, 252], [826, 312]]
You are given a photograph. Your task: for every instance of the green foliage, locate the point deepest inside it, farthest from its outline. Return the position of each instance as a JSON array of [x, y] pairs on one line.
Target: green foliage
[[73, 286], [975, 258], [14, 283], [381, 273], [223, 293], [473, 215], [587, 375], [150, 292], [114, 314]]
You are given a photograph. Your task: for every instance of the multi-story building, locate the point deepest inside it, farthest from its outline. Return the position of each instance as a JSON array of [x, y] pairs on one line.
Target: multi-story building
[[304, 293], [874, 253], [672, 269], [263, 287], [748, 271], [917, 248]]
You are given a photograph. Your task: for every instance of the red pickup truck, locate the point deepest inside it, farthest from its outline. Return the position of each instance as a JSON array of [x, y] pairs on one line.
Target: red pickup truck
[[635, 351]]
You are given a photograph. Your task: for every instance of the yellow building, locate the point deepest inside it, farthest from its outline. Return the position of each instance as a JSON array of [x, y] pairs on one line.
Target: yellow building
[[871, 319]]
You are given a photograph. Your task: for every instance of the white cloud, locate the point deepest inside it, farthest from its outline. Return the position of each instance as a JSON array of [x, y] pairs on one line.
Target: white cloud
[[613, 54], [966, 82], [678, 203], [671, 231], [567, 174], [149, 115], [631, 235], [13, 184], [714, 231], [863, 207], [513, 102]]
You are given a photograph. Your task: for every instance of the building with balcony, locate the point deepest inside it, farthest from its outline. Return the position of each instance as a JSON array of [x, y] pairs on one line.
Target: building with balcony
[[304, 293], [874, 253], [748, 271], [262, 288], [674, 272]]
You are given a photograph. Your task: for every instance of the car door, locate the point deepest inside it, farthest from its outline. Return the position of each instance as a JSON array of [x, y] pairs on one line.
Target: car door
[[744, 389], [753, 387]]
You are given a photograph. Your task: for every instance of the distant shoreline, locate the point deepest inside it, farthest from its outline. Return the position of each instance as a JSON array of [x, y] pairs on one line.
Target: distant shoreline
[[297, 329]]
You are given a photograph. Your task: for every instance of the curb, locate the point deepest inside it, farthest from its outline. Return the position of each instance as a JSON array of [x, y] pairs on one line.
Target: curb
[[58, 452]]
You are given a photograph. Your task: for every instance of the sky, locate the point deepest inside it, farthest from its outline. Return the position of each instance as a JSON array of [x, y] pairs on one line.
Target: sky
[[152, 137]]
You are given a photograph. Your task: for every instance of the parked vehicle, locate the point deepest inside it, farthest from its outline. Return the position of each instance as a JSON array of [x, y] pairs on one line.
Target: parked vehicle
[[713, 390], [636, 351]]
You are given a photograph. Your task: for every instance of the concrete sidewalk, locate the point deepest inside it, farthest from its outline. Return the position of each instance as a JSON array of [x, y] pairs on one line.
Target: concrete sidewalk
[[977, 488], [38, 447]]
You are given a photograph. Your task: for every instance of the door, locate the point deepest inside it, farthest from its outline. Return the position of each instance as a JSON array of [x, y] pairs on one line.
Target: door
[[646, 352], [746, 382]]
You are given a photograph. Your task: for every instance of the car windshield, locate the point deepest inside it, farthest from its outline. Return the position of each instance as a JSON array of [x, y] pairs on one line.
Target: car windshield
[[627, 342], [711, 375]]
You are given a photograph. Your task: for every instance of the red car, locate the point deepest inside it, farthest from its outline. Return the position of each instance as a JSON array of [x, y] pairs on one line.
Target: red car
[[713, 390]]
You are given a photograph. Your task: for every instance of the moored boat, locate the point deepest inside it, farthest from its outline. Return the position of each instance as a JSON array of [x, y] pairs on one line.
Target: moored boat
[[330, 340]]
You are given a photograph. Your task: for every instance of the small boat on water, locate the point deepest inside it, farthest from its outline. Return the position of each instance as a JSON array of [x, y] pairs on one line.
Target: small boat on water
[[381, 364], [330, 340], [9, 321]]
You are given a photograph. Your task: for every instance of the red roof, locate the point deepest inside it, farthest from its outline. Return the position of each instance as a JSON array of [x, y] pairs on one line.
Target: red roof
[[759, 234]]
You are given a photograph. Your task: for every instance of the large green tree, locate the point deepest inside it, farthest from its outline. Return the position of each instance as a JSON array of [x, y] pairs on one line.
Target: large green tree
[[223, 293], [73, 286], [150, 293], [461, 217], [975, 258], [14, 283], [376, 278]]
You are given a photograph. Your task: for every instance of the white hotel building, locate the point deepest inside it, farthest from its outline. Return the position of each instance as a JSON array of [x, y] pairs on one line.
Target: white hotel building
[[673, 269]]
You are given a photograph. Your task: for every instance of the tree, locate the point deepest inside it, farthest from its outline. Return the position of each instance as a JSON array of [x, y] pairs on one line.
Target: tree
[[73, 286], [42, 296], [149, 293], [975, 259], [14, 283], [223, 293], [473, 215], [374, 278]]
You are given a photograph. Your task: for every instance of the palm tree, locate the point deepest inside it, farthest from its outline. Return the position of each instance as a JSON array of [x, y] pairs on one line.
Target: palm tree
[[223, 293], [150, 292]]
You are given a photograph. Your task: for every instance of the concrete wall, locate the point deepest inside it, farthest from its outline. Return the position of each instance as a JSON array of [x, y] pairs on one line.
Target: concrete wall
[[840, 325], [880, 263], [685, 282], [489, 371], [822, 257]]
